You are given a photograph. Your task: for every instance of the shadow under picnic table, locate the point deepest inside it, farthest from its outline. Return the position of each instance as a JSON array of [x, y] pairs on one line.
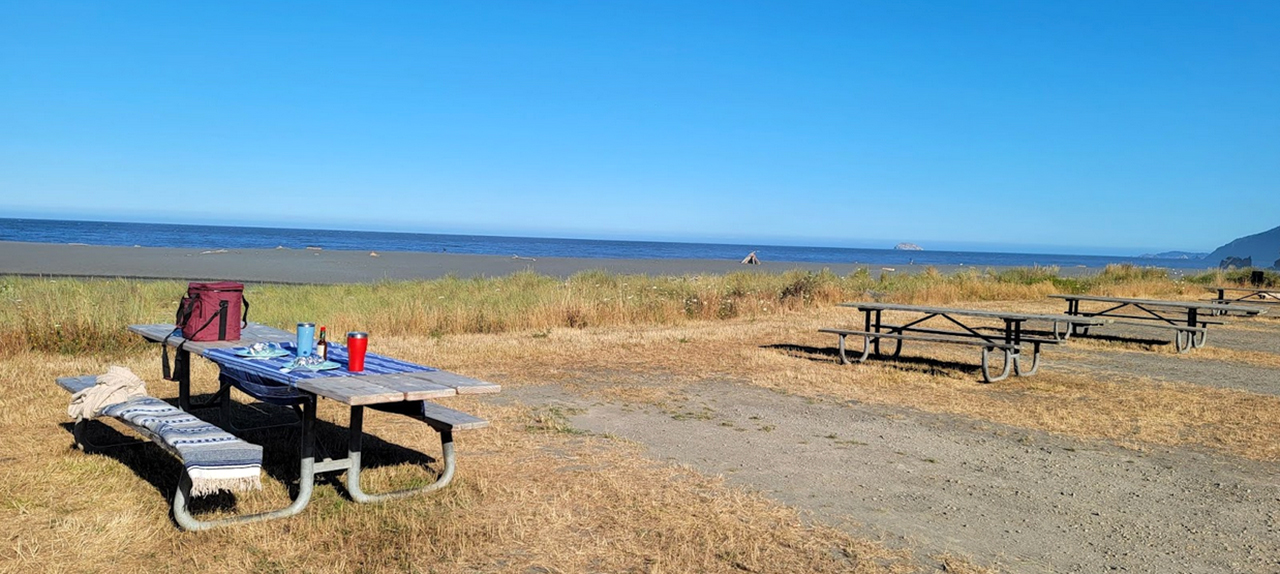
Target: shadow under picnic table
[[1130, 339], [906, 362], [279, 457]]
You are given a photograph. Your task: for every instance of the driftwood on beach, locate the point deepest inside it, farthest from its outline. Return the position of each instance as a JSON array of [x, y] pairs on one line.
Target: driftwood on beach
[[751, 259]]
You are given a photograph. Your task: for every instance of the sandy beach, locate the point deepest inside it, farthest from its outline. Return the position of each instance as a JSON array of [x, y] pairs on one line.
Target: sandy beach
[[330, 267]]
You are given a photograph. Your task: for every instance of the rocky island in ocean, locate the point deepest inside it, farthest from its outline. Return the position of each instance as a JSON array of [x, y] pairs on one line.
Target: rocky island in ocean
[[908, 247]]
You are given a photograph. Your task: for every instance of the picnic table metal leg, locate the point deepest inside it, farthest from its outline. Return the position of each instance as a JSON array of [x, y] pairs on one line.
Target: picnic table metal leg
[[353, 456], [877, 330], [77, 433], [1194, 321], [866, 350], [1182, 340], [1073, 308], [182, 374], [306, 483], [1035, 362], [224, 411], [80, 429], [986, 365]]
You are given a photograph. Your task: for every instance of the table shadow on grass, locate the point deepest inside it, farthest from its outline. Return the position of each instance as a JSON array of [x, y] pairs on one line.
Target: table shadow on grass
[[1148, 343], [927, 365]]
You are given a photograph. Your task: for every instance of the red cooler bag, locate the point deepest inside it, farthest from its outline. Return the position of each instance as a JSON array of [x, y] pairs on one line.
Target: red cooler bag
[[213, 312]]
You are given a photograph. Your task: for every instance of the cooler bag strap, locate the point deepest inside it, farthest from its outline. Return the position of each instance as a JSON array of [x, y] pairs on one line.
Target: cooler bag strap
[[244, 321], [180, 319], [166, 372], [222, 316], [164, 345], [222, 313]]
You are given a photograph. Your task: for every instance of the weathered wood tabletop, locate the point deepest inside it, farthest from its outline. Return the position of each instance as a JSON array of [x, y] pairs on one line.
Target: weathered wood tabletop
[[1003, 315], [1186, 305]]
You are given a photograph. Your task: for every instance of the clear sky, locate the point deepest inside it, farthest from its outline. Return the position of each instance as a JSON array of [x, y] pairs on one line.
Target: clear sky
[[1102, 127]]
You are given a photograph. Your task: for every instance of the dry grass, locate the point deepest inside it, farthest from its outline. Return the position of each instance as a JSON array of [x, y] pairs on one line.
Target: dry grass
[[788, 355], [84, 315], [532, 497]]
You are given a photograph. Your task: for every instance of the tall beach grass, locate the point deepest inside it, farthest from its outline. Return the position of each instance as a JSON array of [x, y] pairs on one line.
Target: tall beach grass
[[88, 315]]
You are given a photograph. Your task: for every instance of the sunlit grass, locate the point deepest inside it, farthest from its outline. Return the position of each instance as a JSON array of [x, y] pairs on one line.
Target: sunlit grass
[[88, 315], [532, 494]]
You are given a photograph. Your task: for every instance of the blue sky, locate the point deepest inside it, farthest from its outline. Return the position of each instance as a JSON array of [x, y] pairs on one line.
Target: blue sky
[[1102, 127]]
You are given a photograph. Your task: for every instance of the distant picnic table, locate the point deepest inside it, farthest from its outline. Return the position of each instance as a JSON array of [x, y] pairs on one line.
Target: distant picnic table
[[1248, 295], [1185, 318], [1009, 337]]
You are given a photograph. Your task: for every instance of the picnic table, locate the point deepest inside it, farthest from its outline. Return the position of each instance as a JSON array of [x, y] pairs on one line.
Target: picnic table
[[386, 384], [1249, 295], [1183, 317], [1009, 337]]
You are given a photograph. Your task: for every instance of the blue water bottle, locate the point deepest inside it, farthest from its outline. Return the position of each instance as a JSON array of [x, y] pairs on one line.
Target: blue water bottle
[[306, 339]]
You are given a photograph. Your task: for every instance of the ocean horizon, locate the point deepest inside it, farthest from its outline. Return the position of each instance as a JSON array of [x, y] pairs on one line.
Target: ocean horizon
[[128, 234]]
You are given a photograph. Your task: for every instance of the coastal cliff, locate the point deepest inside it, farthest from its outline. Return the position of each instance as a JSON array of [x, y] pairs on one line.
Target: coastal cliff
[[1263, 249]]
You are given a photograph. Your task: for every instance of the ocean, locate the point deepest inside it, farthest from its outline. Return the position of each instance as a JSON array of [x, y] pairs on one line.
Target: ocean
[[226, 237]]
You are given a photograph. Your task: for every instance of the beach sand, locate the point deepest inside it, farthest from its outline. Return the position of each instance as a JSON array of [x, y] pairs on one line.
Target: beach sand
[[329, 267]]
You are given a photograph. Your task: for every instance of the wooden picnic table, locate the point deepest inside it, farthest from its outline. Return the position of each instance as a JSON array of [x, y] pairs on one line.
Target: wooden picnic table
[[1249, 295], [1009, 336], [386, 384], [1184, 317]]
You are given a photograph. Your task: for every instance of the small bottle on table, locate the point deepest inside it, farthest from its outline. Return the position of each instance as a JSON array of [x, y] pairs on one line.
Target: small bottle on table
[[322, 346]]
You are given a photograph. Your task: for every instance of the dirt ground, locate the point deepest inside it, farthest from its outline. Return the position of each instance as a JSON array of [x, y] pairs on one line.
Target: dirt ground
[[1015, 499]]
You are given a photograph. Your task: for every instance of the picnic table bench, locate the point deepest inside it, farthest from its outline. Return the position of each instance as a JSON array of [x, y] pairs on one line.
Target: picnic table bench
[[1183, 317], [1009, 337], [1248, 295], [387, 384], [220, 460]]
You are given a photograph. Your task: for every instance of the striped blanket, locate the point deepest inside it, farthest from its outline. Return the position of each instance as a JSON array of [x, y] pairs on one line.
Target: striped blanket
[[215, 460], [267, 371]]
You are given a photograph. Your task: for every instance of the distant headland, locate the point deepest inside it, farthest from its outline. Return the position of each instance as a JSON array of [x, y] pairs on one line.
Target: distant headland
[[1259, 250]]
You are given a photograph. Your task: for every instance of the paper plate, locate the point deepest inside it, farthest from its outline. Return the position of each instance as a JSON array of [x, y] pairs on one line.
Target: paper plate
[[321, 367], [267, 355]]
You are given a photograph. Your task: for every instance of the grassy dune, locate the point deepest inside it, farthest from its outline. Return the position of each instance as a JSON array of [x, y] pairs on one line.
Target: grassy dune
[[86, 315]]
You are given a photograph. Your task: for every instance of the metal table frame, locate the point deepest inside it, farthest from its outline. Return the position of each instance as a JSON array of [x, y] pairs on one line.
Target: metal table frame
[[1252, 295], [308, 467], [1008, 339], [1191, 330]]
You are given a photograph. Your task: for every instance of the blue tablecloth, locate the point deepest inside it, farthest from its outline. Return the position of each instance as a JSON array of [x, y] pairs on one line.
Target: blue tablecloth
[[262, 378]]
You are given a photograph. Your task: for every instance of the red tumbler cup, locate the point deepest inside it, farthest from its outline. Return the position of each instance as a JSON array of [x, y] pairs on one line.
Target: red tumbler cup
[[357, 344]]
